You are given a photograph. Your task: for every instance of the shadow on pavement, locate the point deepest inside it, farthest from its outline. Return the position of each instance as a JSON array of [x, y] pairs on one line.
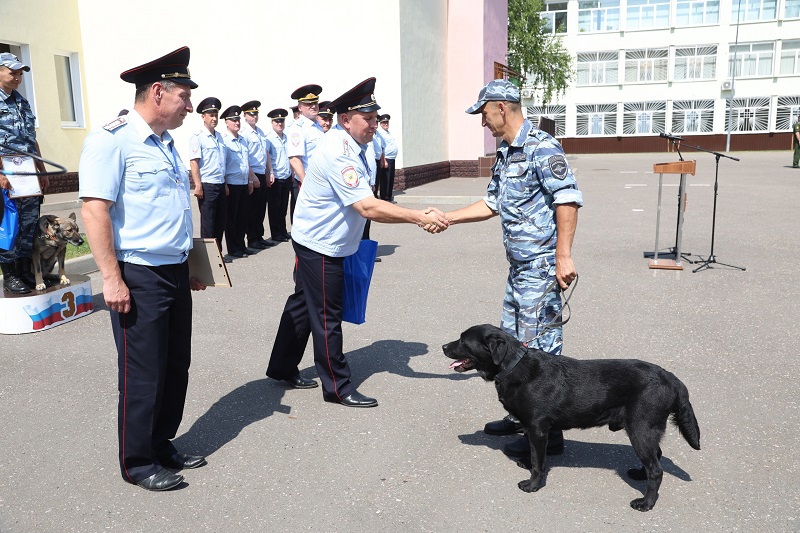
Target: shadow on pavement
[[232, 413], [394, 356]]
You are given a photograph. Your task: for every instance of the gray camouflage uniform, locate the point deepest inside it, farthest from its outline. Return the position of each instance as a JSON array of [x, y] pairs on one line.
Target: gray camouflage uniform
[[529, 179], [17, 130]]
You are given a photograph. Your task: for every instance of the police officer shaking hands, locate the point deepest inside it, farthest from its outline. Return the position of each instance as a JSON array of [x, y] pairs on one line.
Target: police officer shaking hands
[[334, 204]]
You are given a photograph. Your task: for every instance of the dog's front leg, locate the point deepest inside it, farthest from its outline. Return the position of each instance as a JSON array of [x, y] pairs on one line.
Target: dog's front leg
[[62, 273], [37, 272], [537, 438]]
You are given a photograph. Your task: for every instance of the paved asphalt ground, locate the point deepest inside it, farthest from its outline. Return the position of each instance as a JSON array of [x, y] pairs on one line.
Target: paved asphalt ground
[[283, 460]]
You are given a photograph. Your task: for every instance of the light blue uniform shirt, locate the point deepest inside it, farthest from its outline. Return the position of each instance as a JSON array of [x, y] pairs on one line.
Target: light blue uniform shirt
[[209, 149], [377, 145], [257, 144], [389, 144], [304, 136], [277, 152], [126, 163], [237, 165], [337, 177]]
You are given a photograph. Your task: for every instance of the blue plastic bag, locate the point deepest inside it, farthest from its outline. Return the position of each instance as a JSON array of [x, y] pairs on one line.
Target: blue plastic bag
[[357, 277], [9, 225]]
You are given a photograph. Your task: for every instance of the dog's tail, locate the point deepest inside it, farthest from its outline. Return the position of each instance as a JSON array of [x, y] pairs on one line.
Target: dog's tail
[[683, 417]]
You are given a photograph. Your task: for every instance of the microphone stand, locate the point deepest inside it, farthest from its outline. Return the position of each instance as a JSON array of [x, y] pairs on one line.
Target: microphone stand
[[712, 259]]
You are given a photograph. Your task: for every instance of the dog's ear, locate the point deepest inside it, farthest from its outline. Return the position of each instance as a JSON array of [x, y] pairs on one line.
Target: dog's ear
[[72, 217], [44, 221], [498, 346]]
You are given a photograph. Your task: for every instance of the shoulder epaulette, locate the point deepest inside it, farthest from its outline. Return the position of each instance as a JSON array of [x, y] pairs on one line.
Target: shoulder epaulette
[[116, 123]]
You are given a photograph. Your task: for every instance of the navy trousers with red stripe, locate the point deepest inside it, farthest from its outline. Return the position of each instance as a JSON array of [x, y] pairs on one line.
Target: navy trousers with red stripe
[[154, 352], [314, 308]]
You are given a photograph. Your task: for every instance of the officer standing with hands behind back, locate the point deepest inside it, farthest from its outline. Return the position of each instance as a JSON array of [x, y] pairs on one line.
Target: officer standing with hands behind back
[[138, 218]]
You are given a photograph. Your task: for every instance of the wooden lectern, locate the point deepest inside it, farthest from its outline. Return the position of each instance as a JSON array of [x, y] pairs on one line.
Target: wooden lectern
[[676, 167]]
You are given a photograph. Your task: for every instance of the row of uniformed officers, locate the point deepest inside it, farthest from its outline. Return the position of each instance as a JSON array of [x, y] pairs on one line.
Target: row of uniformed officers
[[245, 174]]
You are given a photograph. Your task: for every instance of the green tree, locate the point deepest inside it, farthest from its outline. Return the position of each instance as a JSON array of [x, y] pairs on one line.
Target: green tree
[[535, 52]]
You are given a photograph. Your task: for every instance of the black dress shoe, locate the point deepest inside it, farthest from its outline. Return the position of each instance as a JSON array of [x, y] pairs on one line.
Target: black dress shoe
[[238, 255], [161, 480], [179, 461], [258, 245], [299, 382], [521, 448], [250, 251], [268, 243], [356, 400], [507, 426], [13, 284], [282, 238]]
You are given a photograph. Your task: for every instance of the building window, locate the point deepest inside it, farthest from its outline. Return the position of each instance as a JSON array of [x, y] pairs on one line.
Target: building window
[[646, 65], [788, 111], [749, 114], [754, 10], [696, 63], [643, 14], [596, 119], [597, 68], [598, 15], [790, 57], [693, 116], [558, 113], [792, 9], [644, 117], [753, 59], [696, 12], [66, 95], [555, 17]]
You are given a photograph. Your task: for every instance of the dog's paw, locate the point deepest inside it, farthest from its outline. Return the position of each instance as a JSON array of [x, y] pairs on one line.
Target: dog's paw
[[41, 286], [641, 504], [529, 485], [65, 280], [524, 462]]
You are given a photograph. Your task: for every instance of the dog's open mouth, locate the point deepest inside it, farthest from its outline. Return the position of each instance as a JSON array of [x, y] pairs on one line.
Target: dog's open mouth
[[461, 365]]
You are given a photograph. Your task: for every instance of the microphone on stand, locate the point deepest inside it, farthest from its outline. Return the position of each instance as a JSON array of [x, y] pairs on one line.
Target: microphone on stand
[[670, 136]]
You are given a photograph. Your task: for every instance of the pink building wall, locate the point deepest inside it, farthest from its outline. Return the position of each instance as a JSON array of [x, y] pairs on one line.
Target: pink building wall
[[477, 36]]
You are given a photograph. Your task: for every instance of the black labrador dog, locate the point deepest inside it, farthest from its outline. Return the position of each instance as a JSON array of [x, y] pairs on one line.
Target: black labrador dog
[[545, 391]]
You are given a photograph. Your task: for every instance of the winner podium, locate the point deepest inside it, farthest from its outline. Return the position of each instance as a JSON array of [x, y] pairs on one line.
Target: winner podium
[[677, 167], [41, 310]]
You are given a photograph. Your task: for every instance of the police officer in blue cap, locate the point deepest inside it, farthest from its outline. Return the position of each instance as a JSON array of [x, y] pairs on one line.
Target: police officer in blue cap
[[207, 155], [261, 165], [335, 201], [282, 177], [534, 192], [138, 218]]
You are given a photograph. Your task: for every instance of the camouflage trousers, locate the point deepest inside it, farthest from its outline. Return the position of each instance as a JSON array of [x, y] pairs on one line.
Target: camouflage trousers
[[28, 211], [526, 309]]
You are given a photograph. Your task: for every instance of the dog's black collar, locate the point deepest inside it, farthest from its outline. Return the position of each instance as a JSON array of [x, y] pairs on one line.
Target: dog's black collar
[[506, 367]]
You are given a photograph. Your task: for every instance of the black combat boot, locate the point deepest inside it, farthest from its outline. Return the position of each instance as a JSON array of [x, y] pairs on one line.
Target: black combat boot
[[25, 271], [11, 281]]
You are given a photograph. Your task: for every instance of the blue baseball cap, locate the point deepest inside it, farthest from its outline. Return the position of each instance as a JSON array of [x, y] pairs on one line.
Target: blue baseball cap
[[495, 91], [7, 59]]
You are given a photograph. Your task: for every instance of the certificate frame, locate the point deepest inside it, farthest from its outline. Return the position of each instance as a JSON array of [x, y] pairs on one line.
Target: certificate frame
[[20, 171], [206, 264]]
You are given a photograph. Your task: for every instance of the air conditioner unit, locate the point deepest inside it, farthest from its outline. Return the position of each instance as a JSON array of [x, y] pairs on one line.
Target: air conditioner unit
[[527, 93], [727, 85]]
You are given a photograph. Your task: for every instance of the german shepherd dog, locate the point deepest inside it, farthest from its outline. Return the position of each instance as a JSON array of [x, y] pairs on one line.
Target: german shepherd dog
[[545, 391], [50, 241]]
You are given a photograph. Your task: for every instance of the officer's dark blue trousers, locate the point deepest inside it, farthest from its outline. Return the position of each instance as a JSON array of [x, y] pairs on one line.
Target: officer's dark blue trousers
[[314, 308], [213, 211], [278, 205], [258, 210], [154, 352], [238, 217]]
